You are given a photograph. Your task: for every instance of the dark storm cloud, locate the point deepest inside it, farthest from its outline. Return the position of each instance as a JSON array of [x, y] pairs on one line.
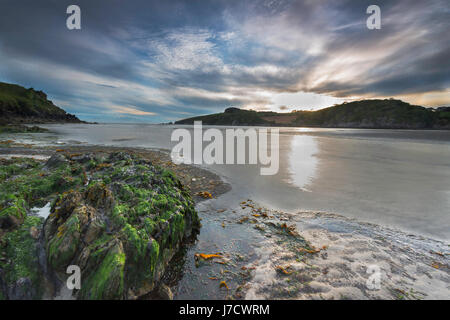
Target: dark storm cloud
[[156, 58]]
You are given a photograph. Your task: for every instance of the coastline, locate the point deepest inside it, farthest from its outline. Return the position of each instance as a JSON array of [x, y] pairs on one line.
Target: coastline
[[333, 254]]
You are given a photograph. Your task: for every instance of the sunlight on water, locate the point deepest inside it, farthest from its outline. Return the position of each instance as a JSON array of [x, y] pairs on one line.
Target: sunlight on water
[[396, 178], [302, 161]]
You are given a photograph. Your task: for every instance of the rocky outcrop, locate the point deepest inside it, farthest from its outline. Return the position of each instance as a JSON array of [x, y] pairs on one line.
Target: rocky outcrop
[[120, 219], [21, 105]]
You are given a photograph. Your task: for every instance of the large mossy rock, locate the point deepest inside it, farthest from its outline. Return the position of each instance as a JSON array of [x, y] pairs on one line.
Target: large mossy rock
[[118, 217], [121, 230]]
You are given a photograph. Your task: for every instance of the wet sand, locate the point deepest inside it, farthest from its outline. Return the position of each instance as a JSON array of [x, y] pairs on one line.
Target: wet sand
[[269, 254]]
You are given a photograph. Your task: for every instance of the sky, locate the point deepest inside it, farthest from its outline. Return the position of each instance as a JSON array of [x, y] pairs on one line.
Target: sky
[[159, 61]]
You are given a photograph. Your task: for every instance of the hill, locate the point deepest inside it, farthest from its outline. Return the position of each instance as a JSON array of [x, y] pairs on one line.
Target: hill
[[380, 114], [21, 105]]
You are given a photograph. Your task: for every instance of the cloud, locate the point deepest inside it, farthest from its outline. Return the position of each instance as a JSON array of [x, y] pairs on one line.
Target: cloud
[[161, 59], [132, 110], [185, 50]]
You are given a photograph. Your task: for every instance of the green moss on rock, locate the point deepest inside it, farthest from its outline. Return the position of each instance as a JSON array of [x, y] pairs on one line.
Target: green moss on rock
[[106, 281], [120, 218], [62, 248], [23, 267], [140, 215]]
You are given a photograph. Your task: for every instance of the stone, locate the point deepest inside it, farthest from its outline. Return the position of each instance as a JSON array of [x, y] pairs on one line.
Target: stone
[[165, 293], [55, 161]]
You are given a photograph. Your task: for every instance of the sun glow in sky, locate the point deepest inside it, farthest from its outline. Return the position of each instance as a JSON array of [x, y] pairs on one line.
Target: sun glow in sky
[[159, 61]]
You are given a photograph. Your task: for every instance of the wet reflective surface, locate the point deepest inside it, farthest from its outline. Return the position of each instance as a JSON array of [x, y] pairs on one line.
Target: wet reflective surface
[[397, 178]]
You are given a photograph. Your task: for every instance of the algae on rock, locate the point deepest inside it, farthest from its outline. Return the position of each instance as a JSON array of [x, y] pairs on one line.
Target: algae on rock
[[119, 218]]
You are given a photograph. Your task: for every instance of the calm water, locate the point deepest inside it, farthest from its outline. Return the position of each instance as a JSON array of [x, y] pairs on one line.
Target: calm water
[[397, 178]]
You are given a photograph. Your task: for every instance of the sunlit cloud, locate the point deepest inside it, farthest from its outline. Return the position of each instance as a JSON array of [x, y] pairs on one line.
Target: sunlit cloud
[[159, 61], [432, 98], [132, 111]]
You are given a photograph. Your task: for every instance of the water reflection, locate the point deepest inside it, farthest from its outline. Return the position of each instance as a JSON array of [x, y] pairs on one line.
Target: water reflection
[[398, 178], [303, 161]]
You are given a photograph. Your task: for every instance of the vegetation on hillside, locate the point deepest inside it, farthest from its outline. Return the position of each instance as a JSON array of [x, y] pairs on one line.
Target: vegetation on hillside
[[21, 105]]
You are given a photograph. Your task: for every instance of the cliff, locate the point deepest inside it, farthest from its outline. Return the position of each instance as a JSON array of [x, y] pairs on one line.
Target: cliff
[[21, 105]]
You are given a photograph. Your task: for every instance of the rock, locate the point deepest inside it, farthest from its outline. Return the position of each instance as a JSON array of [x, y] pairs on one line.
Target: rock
[[21, 276], [100, 196], [34, 232], [122, 228], [165, 293], [55, 161], [119, 156], [93, 231], [104, 273], [9, 222], [131, 295], [120, 231], [21, 290], [62, 246], [83, 158]]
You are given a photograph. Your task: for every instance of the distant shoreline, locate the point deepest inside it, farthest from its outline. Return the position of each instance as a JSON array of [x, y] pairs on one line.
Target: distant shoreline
[[364, 114], [312, 127]]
